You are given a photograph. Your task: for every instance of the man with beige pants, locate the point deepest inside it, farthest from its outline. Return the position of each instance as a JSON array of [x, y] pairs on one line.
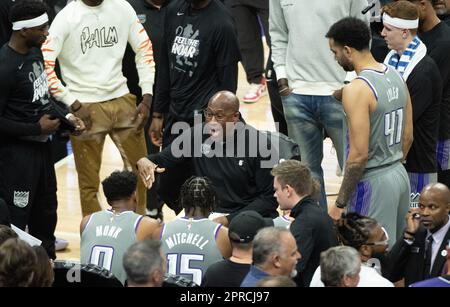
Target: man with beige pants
[[89, 38]]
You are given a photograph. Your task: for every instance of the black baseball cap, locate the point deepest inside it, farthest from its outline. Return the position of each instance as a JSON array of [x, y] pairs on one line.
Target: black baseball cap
[[244, 226]]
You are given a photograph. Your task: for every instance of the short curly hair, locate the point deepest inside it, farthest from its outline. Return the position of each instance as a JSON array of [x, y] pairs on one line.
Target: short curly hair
[[27, 9], [119, 185], [351, 32]]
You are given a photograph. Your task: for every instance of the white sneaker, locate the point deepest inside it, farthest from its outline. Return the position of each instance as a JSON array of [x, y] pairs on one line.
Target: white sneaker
[[61, 244], [255, 92]]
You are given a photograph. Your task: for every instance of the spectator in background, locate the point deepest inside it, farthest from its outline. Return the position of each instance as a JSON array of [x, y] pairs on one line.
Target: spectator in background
[[276, 281], [369, 238], [144, 264], [43, 273], [307, 77], [409, 57], [17, 263], [6, 233], [241, 232], [340, 267], [274, 253], [312, 228]]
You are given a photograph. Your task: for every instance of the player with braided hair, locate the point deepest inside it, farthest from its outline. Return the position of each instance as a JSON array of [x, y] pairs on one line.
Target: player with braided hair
[[196, 193], [193, 242], [355, 230], [368, 237]]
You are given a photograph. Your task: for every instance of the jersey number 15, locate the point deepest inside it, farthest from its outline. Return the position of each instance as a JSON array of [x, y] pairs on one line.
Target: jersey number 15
[[180, 264]]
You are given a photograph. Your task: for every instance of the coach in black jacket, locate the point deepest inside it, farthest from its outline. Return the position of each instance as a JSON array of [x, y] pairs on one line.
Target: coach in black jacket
[[226, 151], [312, 228], [411, 258]]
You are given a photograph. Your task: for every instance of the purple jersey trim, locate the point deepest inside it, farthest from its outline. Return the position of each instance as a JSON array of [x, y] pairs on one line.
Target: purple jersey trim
[[216, 231]]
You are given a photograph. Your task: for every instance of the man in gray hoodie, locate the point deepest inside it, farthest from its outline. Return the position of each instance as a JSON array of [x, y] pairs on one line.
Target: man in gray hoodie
[[308, 75]]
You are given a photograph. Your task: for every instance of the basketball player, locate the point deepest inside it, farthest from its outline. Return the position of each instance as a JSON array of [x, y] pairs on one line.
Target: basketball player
[[194, 240], [106, 235], [379, 119], [27, 119]]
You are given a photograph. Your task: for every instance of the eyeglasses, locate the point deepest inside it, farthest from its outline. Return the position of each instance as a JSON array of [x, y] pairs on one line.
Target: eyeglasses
[[384, 242], [219, 116]]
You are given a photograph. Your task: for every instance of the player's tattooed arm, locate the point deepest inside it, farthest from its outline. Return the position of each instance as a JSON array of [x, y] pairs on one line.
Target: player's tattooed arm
[[353, 174]]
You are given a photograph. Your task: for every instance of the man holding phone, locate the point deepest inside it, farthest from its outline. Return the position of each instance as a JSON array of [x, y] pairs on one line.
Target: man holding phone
[[422, 252]]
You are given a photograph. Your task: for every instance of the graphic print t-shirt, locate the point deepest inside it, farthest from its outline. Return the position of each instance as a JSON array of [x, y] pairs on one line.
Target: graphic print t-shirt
[[24, 93], [197, 44]]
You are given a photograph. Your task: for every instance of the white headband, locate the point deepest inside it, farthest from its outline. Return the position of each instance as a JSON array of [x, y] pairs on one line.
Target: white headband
[[400, 23], [30, 23]]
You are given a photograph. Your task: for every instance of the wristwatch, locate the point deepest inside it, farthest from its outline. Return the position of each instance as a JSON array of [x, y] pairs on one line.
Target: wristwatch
[[339, 205]]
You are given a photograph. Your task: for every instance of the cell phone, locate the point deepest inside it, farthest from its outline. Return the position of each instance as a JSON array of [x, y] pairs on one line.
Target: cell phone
[[416, 216]]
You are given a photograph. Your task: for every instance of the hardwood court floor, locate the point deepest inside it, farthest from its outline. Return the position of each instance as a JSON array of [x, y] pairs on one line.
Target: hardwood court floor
[[69, 213]]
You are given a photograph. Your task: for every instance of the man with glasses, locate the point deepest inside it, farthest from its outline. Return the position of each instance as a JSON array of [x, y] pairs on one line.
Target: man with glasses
[[370, 239], [199, 57], [225, 150]]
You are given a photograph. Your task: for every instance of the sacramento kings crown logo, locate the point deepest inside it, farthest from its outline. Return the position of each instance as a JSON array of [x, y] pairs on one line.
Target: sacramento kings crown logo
[[21, 198]]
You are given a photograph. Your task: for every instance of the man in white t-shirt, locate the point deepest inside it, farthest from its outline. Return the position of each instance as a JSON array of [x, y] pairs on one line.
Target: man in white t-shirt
[[89, 37]]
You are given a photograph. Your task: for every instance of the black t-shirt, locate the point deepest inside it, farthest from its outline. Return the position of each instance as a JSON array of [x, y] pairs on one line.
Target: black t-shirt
[[24, 96], [225, 273], [425, 87], [197, 44], [5, 24], [437, 41], [445, 18], [152, 19]]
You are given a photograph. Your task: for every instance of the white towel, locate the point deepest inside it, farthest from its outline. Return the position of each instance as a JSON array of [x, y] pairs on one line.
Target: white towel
[[405, 64]]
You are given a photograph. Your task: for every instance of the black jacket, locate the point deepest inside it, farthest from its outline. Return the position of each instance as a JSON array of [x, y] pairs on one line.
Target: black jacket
[[407, 261], [241, 179], [314, 232]]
